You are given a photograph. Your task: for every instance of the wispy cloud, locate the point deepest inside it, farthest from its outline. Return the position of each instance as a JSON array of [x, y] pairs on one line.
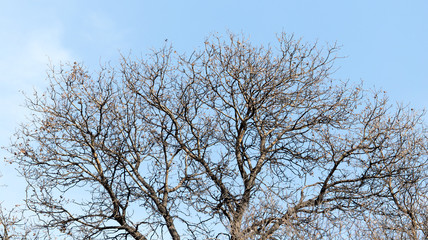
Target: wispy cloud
[[29, 54], [27, 48], [24, 65]]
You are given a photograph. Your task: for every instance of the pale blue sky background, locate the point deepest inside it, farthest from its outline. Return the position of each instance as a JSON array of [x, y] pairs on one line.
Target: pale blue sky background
[[385, 41]]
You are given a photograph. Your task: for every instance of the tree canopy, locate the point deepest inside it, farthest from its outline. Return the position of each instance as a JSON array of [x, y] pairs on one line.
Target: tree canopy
[[233, 141]]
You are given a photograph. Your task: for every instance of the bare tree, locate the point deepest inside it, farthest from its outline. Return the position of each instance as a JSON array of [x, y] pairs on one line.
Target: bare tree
[[231, 142], [13, 223], [7, 221]]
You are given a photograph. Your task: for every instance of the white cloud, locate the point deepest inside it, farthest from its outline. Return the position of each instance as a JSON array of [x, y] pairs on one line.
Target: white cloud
[[45, 45], [31, 53], [26, 54], [23, 67]]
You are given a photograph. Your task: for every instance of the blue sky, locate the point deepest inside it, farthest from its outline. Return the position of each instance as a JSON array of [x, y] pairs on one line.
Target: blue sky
[[385, 42]]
